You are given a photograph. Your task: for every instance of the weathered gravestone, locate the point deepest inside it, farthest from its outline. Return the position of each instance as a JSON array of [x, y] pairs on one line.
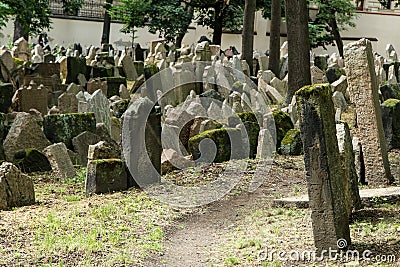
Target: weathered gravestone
[[129, 68], [113, 84], [325, 181], [94, 84], [363, 91], [16, 188], [142, 141], [81, 145], [68, 103], [99, 105], [47, 74], [30, 97], [21, 49], [8, 64], [347, 161], [105, 176], [24, 133], [60, 162]]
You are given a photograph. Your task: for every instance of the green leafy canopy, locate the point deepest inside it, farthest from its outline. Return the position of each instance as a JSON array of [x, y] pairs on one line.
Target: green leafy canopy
[[34, 15]]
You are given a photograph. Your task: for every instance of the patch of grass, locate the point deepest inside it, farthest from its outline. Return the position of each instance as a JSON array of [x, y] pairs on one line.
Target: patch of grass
[[232, 261], [245, 243], [68, 229], [79, 177], [72, 198]]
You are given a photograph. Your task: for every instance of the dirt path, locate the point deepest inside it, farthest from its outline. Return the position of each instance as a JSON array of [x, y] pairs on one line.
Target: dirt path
[[194, 241], [191, 242]]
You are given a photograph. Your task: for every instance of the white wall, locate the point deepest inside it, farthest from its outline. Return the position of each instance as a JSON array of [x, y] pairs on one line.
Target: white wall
[[67, 32]]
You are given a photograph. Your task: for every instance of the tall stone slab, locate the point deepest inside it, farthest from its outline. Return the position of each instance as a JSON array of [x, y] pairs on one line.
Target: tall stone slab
[[8, 64], [363, 91], [141, 141], [326, 184], [99, 105], [347, 160], [129, 68]]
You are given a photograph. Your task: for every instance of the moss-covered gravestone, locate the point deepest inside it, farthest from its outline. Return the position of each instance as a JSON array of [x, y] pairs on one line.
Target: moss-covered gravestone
[[105, 176], [218, 145], [326, 185], [252, 127], [391, 122], [283, 124], [63, 127], [292, 144]]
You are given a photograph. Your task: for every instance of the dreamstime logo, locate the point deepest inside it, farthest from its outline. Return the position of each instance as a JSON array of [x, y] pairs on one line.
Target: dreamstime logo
[[173, 85], [331, 254]]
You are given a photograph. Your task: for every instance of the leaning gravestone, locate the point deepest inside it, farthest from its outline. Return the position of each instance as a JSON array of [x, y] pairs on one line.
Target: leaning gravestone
[[60, 162], [8, 64], [363, 91], [326, 185], [24, 133], [129, 68], [16, 188]]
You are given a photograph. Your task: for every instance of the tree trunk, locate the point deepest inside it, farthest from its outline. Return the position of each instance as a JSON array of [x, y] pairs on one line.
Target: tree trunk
[[275, 37], [179, 38], [298, 46], [218, 23], [248, 32], [336, 35], [105, 38], [19, 31]]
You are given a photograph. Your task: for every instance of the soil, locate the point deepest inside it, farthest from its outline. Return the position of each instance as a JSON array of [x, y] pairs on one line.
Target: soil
[[194, 240], [197, 239]]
